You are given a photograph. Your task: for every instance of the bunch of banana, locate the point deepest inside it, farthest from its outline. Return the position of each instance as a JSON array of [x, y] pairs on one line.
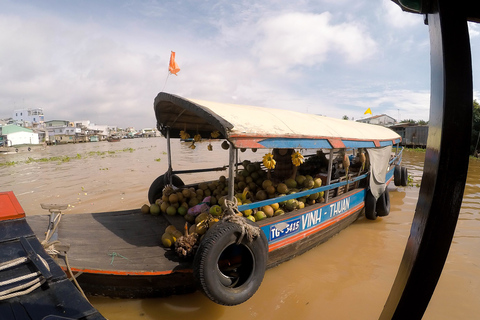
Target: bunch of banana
[[184, 135], [215, 134], [363, 159], [210, 147], [197, 137], [297, 159], [346, 164], [268, 161], [192, 146]]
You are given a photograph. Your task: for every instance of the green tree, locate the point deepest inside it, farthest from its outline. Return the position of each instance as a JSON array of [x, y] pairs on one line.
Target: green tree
[[475, 143], [422, 122], [408, 121], [345, 117]]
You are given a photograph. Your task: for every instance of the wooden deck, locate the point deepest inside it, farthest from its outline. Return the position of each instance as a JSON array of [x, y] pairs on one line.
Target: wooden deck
[[120, 253]]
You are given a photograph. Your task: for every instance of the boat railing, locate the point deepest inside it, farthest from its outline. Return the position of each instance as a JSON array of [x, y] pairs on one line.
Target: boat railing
[[300, 194]]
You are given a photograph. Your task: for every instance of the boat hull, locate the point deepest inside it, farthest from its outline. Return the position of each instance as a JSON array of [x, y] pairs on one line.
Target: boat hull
[[57, 296], [129, 261]]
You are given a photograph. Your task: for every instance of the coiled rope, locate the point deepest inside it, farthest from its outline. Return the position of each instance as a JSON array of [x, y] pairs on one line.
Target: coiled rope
[[231, 214], [50, 249]]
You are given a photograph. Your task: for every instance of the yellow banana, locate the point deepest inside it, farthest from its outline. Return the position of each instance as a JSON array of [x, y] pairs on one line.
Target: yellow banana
[[268, 161], [297, 159]]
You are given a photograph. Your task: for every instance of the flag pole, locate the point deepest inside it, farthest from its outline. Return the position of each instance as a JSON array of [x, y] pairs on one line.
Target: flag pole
[[168, 75]]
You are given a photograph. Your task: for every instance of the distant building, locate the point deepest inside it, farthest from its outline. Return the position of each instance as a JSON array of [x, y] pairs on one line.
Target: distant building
[[61, 131], [89, 129], [12, 135], [413, 135], [29, 118], [149, 132], [383, 120]]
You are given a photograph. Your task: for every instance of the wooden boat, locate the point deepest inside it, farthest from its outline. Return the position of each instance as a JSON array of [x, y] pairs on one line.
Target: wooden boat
[[32, 285], [120, 253], [114, 138]]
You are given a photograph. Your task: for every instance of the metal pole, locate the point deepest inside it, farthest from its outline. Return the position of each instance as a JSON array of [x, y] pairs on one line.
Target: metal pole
[[169, 157], [231, 172], [329, 174]]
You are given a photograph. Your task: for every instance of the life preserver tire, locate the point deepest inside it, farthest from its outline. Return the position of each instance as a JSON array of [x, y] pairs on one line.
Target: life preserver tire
[[383, 204], [370, 206], [156, 188], [226, 272], [397, 175], [404, 181]]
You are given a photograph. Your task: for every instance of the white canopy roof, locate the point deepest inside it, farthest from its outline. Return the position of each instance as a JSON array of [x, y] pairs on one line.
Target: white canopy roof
[[258, 127]]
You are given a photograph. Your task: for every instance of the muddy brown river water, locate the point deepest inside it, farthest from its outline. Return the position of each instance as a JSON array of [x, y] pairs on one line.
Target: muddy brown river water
[[348, 277]]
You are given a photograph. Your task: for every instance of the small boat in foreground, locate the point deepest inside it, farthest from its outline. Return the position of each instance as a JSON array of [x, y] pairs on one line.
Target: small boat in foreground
[[318, 175], [32, 285]]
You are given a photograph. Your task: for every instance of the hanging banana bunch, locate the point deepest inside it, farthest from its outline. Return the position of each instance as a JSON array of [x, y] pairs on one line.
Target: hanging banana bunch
[[184, 135], [362, 159], [346, 164], [192, 146], [197, 138], [210, 147], [297, 159], [269, 163], [215, 134]]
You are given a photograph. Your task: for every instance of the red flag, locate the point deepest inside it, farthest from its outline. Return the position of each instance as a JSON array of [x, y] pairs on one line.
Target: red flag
[[173, 66]]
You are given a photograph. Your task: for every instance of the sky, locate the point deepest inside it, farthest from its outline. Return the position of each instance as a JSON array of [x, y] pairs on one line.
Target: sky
[[105, 61]]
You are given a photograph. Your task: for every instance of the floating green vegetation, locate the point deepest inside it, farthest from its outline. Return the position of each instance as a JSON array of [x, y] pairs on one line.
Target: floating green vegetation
[[103, 169], [158, 159], [62, 159], [96, 153], [8, 163]]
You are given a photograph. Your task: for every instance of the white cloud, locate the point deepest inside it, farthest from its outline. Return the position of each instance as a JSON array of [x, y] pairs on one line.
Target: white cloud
[[396, 17], [295, 40], [473, 29]]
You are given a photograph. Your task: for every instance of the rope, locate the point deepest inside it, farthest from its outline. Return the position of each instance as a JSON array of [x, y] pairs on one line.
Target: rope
[[34, 284], [50, 249], [230, 215], [12, 263], [18, 279], [74, 279]]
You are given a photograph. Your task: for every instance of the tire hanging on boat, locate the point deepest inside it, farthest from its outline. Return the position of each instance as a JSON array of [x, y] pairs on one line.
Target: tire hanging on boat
[[397, 175], [383, 204], [404, 181], [227, 272], [156, 188], [370, 206]]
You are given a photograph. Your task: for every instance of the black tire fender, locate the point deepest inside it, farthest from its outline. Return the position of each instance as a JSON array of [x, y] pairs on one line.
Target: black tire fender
[[370, 206], [404, 180], [383, 204], [397, 175], [156, 188], [226, 272]]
